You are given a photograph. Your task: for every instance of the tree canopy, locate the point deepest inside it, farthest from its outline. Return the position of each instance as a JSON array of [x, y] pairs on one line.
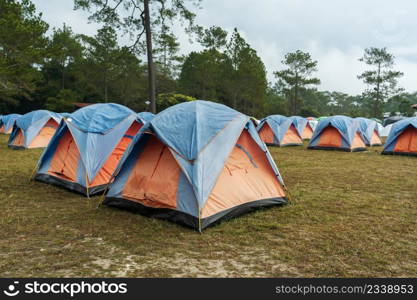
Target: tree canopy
[[297, 77], [56, 68], [22, 48], [381, 81]]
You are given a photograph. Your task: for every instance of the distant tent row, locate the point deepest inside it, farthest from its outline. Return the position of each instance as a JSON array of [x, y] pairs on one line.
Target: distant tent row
[[338, 132], [347, 134]]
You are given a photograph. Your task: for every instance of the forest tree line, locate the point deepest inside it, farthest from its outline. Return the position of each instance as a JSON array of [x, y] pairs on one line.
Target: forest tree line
[[41, 69]]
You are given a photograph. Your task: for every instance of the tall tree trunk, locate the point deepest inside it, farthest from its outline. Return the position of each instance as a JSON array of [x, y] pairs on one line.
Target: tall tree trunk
[[295, 95], [63, 78], [105, 87], [63, 74], [376, 108], [151, 68]]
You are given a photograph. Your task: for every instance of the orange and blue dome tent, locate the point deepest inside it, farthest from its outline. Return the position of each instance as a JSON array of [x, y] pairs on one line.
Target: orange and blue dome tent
[[402, 138], [7, 123], [337, 133], [34, 129], [197, 163], [277, 130], [303, 126], [87, 147], [369, 131]]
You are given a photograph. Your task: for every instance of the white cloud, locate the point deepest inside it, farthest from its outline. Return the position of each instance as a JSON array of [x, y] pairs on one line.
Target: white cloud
[[55, 13], [409, 68], [337, 68]]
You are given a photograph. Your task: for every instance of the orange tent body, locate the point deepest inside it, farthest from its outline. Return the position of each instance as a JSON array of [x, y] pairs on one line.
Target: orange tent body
[[41, 140], [197, 175], [375, 139], [337, 133], [307, 132], [3, 129]]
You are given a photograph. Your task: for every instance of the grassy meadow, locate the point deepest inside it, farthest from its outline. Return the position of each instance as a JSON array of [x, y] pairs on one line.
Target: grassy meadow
[[351, 215]]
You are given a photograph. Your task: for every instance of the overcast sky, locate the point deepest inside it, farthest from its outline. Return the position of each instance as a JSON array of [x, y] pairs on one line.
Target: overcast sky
[[335, 32]]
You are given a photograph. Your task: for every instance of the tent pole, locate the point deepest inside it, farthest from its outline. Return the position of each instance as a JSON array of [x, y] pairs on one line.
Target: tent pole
[[199, 220], [86, 184], [104, 194]]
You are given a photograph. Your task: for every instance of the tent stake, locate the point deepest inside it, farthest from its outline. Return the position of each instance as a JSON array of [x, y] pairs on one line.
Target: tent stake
[[103, 196], [199, 220], [34, 171]]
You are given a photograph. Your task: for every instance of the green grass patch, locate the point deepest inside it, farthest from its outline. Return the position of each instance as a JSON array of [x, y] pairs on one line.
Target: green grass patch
[[351, 214]]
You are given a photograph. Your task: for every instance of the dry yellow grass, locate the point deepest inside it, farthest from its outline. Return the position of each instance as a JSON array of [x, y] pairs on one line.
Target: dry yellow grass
[[352, 214]]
